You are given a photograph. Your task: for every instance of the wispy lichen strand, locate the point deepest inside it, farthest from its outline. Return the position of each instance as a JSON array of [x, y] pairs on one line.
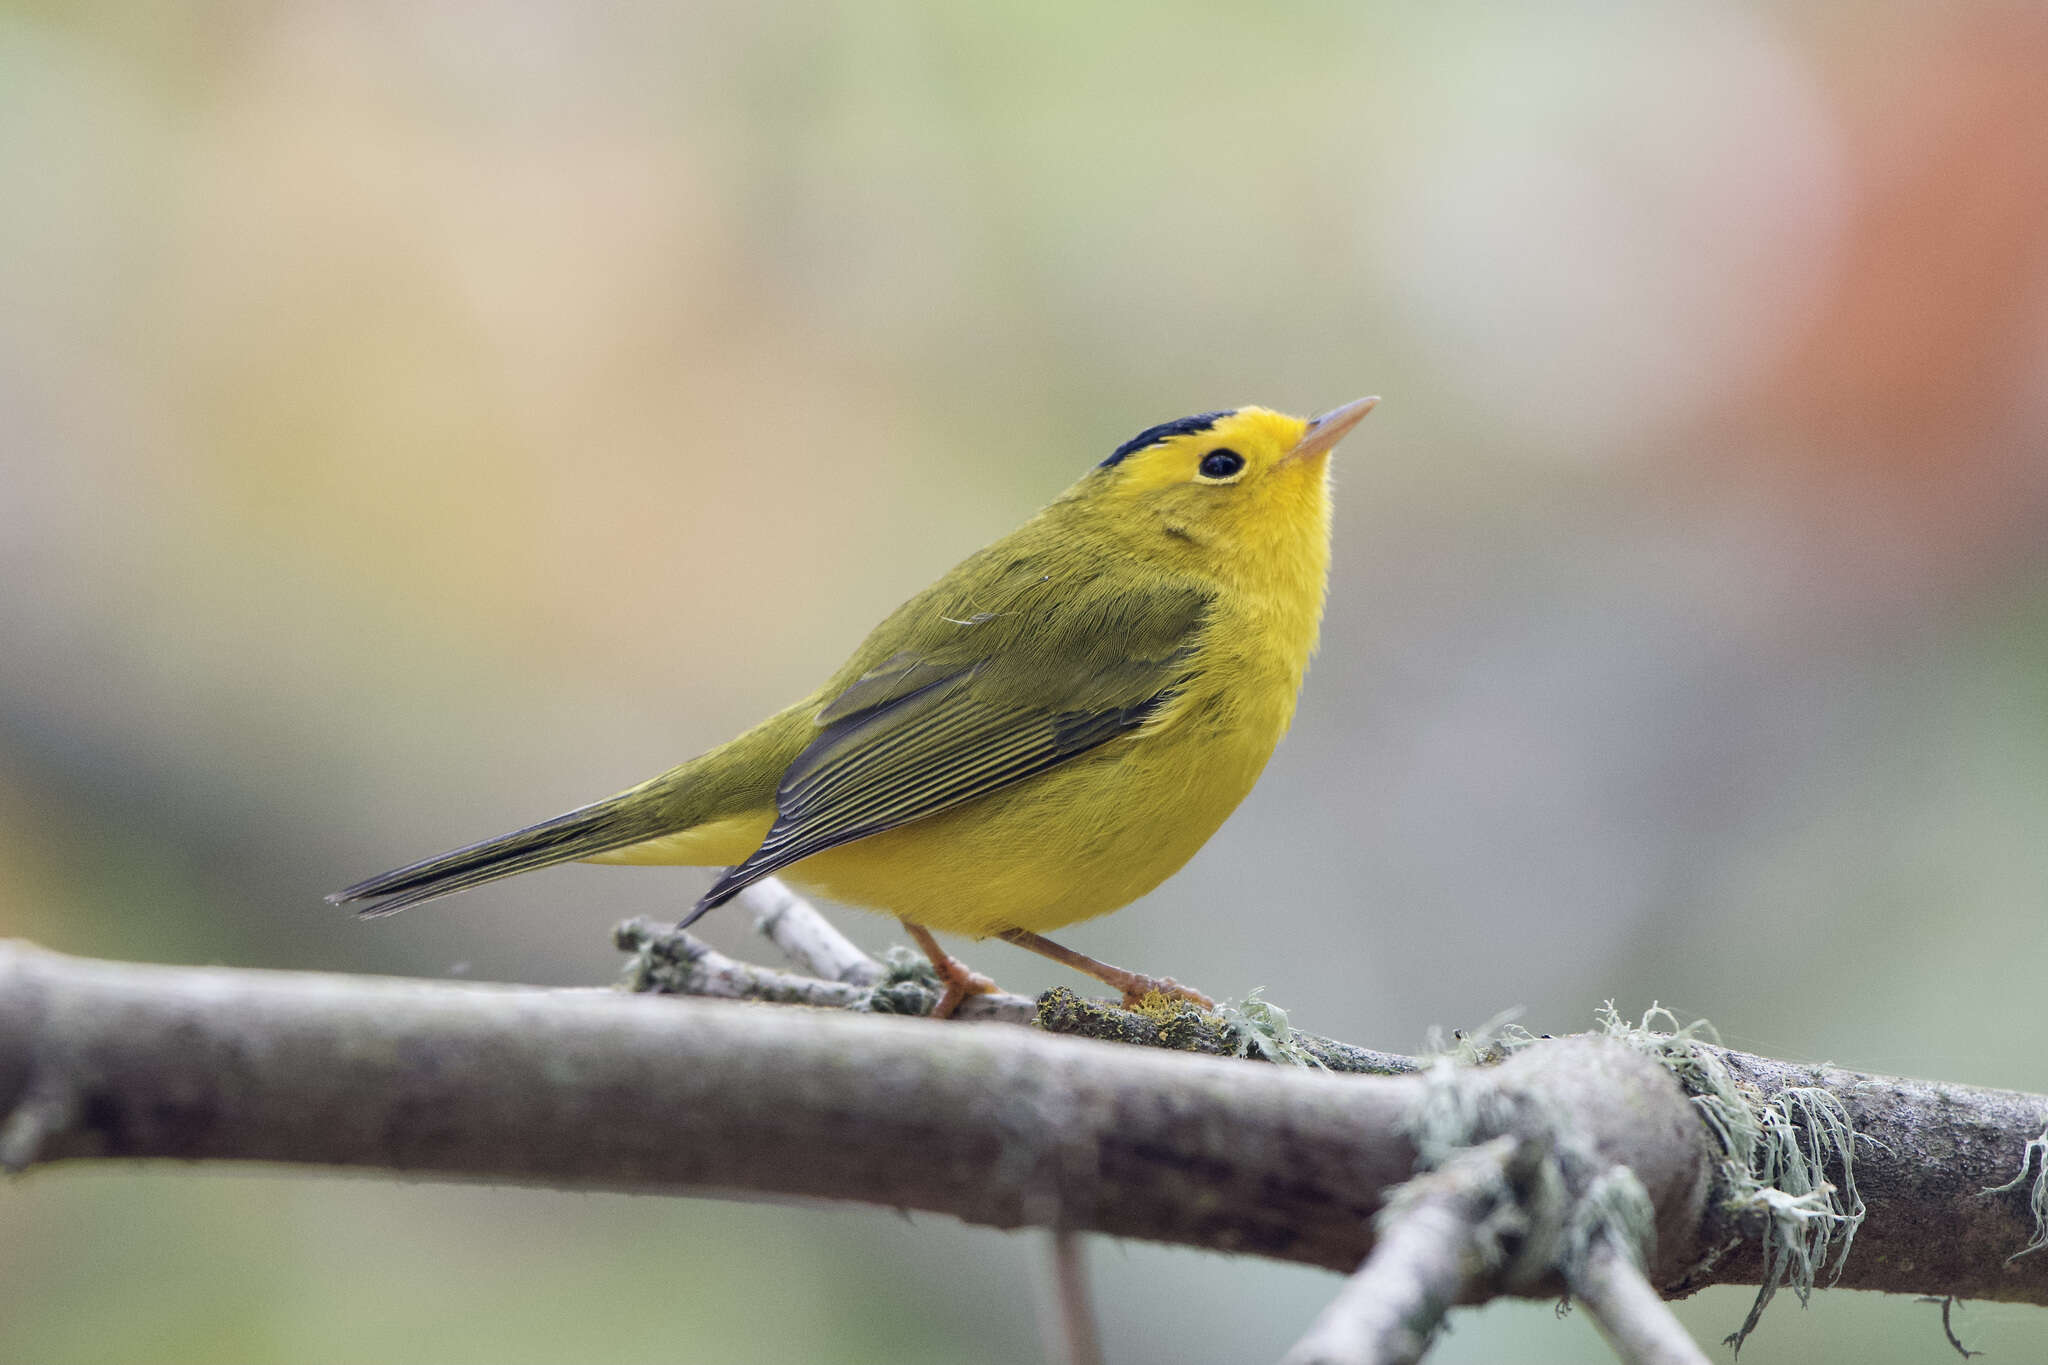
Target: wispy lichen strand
[[2037, 1196], [1775, 1156]]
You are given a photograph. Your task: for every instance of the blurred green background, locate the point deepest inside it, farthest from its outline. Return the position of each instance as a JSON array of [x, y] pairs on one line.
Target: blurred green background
[[416, 419]]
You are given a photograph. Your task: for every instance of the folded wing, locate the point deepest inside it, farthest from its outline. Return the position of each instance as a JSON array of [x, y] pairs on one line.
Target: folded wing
[[976, 704]]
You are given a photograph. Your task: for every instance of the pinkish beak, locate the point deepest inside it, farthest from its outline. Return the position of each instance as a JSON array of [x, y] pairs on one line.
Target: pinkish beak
[[1325, 431]]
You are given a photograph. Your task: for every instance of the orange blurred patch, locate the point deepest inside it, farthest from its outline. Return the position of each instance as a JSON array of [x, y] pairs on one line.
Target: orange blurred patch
[[1897, 415]]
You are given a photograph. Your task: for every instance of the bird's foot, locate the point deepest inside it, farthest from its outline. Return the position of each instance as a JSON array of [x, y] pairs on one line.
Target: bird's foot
[[960, 983], [958, 979], [1135, 986], [1139, 988]]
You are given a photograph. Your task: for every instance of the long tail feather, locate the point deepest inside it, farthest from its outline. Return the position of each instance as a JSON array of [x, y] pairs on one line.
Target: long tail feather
[[581, 833]]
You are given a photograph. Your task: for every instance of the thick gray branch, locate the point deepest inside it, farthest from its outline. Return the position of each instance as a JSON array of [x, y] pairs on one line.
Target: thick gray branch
[[995, 1125], [1926, 1155]]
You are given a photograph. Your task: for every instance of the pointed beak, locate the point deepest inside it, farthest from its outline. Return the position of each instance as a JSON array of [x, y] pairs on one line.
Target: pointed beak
[[1325, 431]]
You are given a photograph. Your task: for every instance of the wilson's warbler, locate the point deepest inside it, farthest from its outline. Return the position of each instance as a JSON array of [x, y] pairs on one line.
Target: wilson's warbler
[[1044, 735]]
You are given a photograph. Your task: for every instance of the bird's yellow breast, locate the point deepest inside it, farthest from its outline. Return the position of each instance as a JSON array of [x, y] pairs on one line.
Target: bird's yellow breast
[[1078, 841]]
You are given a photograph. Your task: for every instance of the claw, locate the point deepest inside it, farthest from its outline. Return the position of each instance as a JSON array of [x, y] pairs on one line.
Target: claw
[[959, 980], [959, 985]]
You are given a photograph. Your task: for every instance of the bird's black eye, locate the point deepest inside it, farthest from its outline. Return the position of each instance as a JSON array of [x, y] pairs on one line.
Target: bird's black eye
[[1221, 464]]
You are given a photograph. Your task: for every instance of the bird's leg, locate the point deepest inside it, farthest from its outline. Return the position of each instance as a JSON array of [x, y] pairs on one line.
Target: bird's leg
[[1134, 985], [959, 980]]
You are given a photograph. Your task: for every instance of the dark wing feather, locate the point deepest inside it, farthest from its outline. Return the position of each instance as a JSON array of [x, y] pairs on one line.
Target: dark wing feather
[[971, 711]]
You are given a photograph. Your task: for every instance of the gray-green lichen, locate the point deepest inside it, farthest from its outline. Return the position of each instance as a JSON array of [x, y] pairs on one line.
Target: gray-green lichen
[[1775, 1154], [909, 985], [1261, 1030], [1246, 1030], [657, 963], [1550, 1228]]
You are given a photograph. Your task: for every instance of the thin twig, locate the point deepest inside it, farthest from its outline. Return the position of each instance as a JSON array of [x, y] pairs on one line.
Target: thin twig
[[1428, 1257], [1637, 1323], [1067, 1319], [671, 961], [1189, 1029], [677, 962], [1948, 1303], [47, 1107], [806, 937]]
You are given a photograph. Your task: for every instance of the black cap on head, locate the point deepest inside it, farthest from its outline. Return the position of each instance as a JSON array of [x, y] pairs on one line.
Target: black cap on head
[[1152, 436]]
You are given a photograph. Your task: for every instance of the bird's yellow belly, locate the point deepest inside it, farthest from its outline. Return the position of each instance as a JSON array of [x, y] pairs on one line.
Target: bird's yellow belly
[[1076, 841]]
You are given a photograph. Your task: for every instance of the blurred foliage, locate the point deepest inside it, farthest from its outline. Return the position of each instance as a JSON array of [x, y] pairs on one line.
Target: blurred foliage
[[422, 418]]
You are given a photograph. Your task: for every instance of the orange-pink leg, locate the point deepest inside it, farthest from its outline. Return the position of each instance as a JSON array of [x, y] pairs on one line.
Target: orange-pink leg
[[1134, 985], [960, 982]]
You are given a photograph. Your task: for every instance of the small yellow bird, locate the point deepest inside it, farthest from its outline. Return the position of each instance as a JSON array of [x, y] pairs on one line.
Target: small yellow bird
[[1042, 736]]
